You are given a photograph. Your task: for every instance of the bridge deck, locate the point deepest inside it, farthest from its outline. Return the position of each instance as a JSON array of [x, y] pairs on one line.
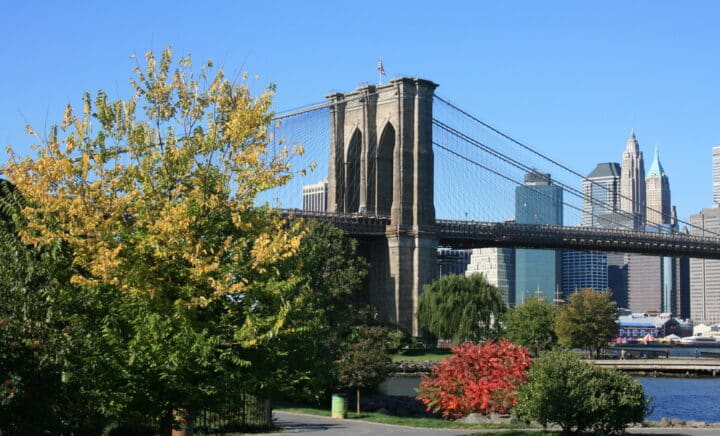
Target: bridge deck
[[473, 234]]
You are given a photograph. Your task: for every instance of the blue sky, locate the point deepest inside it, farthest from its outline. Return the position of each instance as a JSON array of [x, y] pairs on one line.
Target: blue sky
[[570, 78]]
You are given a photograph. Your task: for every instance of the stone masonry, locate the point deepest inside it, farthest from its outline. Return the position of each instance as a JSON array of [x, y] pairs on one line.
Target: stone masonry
[[381, 163]]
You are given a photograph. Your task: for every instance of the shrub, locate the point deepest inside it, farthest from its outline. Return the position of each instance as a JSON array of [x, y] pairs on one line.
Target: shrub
[[577, 396], [479, 378], [617, 401]]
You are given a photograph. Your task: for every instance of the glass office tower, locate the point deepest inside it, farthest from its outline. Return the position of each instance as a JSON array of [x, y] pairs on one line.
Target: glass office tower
[[537, 272]]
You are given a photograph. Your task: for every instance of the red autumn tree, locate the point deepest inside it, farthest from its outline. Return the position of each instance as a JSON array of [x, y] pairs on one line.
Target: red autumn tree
[[479, 378]]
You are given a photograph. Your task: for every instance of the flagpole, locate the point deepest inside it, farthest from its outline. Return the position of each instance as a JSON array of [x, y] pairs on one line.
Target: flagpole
[[380, 71]]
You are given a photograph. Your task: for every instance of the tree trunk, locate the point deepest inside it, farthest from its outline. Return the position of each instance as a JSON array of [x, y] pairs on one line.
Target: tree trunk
[[357, 401], [166, 423]]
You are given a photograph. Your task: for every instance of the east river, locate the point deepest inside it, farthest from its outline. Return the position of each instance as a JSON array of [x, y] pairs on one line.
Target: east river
[[690, 399]]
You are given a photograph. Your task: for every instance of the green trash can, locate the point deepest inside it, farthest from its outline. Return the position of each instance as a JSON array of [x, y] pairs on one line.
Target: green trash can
[[339, 406]]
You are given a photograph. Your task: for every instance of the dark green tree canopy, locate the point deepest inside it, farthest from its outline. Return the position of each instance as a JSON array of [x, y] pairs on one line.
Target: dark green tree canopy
[[30, 376], [461, 308], [532, 324], [577, 396], [588, 321], [364, 361], [299, 364]]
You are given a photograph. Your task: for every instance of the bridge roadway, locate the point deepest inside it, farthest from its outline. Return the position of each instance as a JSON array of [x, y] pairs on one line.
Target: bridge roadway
[[475, 234]]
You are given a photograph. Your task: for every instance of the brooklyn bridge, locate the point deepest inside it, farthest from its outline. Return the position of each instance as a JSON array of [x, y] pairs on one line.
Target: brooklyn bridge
[[405, 171]]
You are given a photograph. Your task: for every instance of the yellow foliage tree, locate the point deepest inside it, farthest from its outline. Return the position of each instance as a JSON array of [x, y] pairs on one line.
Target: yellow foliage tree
[[155, 198]]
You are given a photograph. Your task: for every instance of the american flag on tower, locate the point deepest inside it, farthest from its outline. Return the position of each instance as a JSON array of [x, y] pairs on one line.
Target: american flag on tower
[[381, 70]]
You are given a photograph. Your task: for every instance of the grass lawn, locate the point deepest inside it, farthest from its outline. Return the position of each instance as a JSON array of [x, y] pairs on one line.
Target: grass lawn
[[420, 357]]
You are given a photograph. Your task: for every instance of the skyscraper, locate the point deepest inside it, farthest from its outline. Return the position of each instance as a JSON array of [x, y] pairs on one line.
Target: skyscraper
[[657, 189], [538, 201], [315, 197], [601, 190], [652, 281], [583, 270], [632, 182], [716, 175], [452, 261], [653, 284], [498, 266], [705, 273]]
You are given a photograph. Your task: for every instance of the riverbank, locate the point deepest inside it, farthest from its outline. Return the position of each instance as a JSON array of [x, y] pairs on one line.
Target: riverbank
[[680, 398]]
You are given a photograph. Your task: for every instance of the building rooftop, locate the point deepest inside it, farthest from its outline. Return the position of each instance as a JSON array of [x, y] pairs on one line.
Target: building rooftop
[[656, 169], [605, 169]]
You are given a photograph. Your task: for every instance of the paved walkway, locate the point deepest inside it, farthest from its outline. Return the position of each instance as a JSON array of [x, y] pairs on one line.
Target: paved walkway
[[311, 425]]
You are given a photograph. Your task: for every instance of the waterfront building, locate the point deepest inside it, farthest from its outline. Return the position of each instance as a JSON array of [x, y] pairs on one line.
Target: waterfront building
[[537, 272], [452, 261], [498, 266], [601, 199], [657, 190], [315, 197], [638, 324], [583, 270], [705, 273], [632, 182]]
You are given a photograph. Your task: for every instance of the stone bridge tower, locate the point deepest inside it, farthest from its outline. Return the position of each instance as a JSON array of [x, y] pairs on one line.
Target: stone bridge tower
[[381, 163]]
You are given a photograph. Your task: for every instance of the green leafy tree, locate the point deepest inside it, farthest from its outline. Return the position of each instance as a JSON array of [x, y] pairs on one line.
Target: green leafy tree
[[531, 325], [557, 387], [30, 388], [364, 361], [617, 401], [300, 362], [461, 308], [588, 321], [570, 393], [176, 277]]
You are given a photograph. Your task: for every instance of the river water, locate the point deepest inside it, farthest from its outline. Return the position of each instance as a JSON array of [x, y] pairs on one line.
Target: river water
[[690, 399]]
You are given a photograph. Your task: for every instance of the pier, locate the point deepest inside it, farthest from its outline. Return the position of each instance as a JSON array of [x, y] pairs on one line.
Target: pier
[[675, 367]]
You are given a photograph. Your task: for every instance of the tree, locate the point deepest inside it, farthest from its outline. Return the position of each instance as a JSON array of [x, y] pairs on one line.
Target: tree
[[531, 325], [479, 378], [570, 393], [301, 362], [30, 388], [617, 401], [588, 321], [364, 361], [558, 384], [175, 274], [461, 308]]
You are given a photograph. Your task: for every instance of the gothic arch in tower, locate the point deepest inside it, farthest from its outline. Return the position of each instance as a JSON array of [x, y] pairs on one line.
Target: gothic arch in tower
[[352, 173], [384, 164]]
